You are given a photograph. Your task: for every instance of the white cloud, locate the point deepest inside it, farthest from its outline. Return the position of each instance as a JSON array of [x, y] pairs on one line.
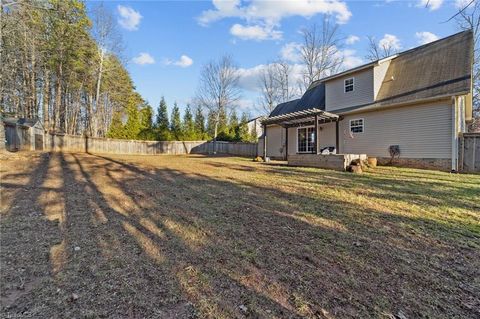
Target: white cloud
[[351, 39], [267, 15], [255, 32], [143, 58], [350, 60], [425, 37], [460, 4], [184, 62], [391, 41], [129, 18], [291, 52], [249, 77], [430, 4]]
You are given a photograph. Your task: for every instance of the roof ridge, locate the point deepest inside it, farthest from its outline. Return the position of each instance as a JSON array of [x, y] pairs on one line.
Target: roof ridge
[[430, 43], [393, 56]]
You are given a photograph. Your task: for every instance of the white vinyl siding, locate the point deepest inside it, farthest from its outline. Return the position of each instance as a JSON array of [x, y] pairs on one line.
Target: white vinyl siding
[[275, 141], [421, 131], [336, 98], [379, 72], [326, 135]]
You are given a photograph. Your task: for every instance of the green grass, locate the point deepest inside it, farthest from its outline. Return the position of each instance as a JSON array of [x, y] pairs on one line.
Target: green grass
[[222, 237]]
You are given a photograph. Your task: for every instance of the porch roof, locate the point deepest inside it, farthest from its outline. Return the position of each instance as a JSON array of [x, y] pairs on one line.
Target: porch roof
[[302, 118]]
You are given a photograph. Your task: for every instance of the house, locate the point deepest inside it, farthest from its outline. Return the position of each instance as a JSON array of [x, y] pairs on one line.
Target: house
[[22, 134], [418, 101], [255, 125]]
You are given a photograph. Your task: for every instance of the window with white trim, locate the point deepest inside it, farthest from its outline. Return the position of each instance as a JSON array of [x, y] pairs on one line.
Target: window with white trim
[[305, 139], [356, 126], [349, 83]]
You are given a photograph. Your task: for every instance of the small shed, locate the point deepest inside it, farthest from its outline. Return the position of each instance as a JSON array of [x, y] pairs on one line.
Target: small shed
[[22, 134]]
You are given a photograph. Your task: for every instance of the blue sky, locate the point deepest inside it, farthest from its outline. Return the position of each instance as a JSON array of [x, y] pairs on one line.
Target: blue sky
[[169, 41]]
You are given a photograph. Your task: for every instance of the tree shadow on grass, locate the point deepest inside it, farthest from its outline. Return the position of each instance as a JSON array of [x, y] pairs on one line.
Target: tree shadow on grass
[[408, 187], [233, 208], [158, 241], [26, 238]]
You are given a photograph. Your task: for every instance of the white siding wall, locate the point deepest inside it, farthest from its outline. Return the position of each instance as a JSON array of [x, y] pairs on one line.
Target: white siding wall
[[422, 131], [292, 140], [336, 98], [275, 141], [326, 135], [379, 72]]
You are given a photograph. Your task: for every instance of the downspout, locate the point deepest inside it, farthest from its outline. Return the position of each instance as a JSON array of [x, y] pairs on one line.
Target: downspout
[[264, 142], [454, 155]]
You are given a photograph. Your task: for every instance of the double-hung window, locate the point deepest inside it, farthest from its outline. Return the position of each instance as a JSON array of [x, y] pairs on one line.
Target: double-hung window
[[305, 139], [349, 83], [356, 126]]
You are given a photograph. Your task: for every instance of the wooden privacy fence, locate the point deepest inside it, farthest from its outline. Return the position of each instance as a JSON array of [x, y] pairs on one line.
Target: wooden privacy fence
[[469, 152], [74, 143]]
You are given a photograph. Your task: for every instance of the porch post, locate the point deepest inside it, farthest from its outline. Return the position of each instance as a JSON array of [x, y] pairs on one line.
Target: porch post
[[316, 135], [337, 138], [286, 143], [264, 142]]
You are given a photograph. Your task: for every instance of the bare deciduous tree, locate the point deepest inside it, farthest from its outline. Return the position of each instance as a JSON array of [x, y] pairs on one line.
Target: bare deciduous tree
[[468, 18], [269, 88], [275, 85], [109, 42], [218, 89], [377, 51], [283, 70], [321, 51]]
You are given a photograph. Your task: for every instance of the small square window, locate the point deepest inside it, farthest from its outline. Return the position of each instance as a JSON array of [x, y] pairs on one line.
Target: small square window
[[348, 85], [356, 126]]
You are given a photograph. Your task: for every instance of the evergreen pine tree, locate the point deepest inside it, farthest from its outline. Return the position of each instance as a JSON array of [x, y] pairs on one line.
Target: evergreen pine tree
[[211, 124], [176, 125], [162, 124], [254, 133], [188, 125], [233, 126], [146, 115], [243, 134], [116, 129], [133, 126], [223, 122], [199, 124]]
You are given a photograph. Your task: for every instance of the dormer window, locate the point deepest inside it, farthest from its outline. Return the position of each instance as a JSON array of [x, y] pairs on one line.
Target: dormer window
[[349, 83]]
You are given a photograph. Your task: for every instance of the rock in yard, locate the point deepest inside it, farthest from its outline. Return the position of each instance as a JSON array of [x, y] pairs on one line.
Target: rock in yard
[[243, 308], [357, 169], [74, 297]]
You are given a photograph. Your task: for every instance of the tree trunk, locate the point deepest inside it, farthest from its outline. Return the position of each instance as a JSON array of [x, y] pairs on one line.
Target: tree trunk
[[97, 93], [58, 96], [217, 119], [46, 100]]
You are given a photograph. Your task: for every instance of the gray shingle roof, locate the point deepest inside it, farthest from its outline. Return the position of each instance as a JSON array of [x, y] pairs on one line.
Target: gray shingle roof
[[442, 67], [435, 69]]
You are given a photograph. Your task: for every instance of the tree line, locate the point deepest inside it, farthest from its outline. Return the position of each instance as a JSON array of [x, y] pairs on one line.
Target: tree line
[[59, 66], [139, 123], [67, 69]]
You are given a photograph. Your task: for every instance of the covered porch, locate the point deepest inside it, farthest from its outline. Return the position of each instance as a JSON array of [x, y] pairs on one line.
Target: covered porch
[[310, 154]]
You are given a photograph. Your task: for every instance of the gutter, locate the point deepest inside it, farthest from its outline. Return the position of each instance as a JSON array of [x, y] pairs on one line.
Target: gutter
[[378, 106]]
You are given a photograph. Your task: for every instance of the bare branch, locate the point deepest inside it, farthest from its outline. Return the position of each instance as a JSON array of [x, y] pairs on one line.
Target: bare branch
[[218, 90], [321, 51]]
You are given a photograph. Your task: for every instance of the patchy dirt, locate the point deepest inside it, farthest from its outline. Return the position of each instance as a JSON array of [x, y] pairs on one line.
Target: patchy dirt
[[187, 237]]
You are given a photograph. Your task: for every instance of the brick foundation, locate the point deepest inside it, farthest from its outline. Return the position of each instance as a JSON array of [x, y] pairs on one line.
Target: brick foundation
[[443, 164]]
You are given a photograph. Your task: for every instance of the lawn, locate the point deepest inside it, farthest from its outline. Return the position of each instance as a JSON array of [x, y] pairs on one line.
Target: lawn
[[186, 237]]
